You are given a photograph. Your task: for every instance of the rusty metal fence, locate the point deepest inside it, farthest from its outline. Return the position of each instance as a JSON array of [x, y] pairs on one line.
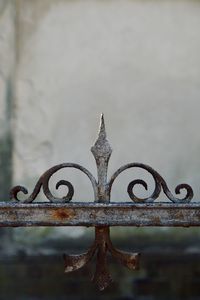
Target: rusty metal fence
[[101, 213]]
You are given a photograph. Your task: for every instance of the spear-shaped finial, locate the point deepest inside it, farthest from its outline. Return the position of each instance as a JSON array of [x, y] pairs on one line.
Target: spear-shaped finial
[[102, 152], [101, 146]]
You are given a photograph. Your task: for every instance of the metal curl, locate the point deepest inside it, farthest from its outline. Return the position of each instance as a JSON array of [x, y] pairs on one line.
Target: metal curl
[[17, 189], [189, 192], [159, 185], [131, 186], [154, 174], [66, 198], [14, 192], [44, 183]]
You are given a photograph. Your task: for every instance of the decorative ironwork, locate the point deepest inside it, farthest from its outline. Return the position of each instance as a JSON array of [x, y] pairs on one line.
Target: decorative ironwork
[[101, 245], [102, 188], [102, 192]]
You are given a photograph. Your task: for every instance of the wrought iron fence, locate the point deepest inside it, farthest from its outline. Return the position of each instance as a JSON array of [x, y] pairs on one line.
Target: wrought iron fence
[[101, 213]]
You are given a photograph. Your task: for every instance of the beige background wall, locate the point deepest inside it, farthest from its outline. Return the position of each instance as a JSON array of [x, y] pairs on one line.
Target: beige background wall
[[137, 61]]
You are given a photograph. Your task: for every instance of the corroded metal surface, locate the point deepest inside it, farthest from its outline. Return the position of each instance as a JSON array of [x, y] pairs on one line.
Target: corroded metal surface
[[102, 245], [101, 213], [102, 152], [43, 182], [97, 214]]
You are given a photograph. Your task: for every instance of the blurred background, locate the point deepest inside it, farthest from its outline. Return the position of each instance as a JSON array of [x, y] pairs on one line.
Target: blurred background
[[62, 63]]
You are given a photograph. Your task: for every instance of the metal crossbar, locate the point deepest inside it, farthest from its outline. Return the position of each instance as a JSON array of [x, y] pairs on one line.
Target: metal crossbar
[[101, 213]]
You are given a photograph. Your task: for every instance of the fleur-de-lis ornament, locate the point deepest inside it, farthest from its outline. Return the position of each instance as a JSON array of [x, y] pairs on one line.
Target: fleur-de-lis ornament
[[102, 244]]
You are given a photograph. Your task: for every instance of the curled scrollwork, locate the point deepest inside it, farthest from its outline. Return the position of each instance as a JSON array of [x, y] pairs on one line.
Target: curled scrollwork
[[101, 151], [43, 182], [160, 184]]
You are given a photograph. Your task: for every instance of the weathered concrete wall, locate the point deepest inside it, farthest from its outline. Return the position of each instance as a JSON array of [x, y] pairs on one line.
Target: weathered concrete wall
[[137, 61], [7, 72]]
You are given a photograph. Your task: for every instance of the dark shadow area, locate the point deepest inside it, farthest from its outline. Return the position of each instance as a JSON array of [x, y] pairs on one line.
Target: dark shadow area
[[161, 276], [169, 268]]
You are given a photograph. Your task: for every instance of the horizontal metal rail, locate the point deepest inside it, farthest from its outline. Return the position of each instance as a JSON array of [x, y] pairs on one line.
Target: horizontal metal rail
[[99, 214]]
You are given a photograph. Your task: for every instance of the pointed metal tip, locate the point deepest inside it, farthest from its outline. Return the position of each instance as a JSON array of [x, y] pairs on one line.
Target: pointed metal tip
[[102, 128]]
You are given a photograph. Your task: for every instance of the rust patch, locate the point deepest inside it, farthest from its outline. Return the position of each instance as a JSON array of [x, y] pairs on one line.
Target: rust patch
[[179, 215], [156, 220], [62, 214]]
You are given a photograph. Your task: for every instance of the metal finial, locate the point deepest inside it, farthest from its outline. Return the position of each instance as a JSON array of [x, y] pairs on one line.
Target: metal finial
[[102, 152], [101, 146]]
